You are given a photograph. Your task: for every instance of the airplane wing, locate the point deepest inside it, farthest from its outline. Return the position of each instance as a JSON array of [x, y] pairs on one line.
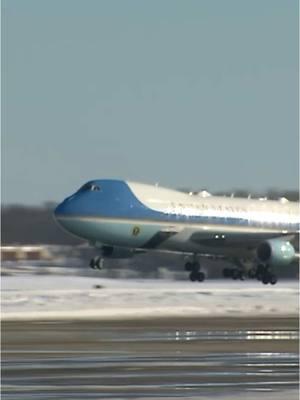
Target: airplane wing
[[216, 237], [240, 239], [160, 237]]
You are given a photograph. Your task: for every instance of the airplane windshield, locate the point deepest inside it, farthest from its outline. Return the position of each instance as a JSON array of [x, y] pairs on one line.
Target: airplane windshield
[[89, 187]]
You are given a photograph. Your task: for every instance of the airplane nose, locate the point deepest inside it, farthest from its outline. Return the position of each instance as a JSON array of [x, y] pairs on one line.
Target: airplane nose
[[66, 214], [62, 214], [63, 208], [70, 207], [58, 211]]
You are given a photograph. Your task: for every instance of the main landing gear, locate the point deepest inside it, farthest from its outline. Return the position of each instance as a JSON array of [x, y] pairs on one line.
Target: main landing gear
[[97, 263], [194, 268], [262, 273]]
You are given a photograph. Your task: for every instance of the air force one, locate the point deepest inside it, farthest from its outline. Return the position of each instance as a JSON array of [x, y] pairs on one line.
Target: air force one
[[125, 218]]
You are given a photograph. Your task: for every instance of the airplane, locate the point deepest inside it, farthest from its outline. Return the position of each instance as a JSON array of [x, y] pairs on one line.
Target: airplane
[[122, 218]]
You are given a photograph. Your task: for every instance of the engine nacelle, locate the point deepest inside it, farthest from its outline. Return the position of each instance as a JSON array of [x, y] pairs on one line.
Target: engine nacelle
[[116, 252], [276, 252]]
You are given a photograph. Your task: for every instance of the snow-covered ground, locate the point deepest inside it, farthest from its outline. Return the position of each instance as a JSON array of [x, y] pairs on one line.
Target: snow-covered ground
[[74, 297]]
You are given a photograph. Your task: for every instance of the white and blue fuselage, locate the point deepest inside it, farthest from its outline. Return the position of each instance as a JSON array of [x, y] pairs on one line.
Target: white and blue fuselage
[[140, 216]]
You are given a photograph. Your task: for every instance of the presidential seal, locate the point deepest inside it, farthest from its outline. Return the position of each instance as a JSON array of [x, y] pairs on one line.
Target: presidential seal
[[135, 231]]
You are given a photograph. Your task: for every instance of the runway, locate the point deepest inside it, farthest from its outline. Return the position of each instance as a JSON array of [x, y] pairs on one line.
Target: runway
[[155, 358]]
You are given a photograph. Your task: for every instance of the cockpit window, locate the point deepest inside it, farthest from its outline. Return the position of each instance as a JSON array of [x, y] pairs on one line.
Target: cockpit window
[[90, 186], [95, 188]]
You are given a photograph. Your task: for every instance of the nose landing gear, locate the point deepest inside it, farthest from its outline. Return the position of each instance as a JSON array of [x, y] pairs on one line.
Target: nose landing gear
[[97, 263]]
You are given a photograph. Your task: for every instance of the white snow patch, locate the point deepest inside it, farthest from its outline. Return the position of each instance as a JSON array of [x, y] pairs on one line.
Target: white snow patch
[[74, 297]]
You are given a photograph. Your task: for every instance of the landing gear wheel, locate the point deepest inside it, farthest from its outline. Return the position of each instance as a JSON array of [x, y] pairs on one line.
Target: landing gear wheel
[[92, 263], [273, 279], [99, 262], [194, 268], [201, 276], [266, 279], [194, 276], [96, 263]]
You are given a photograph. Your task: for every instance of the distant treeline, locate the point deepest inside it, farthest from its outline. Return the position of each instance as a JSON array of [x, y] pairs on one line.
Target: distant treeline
[[33, 224]]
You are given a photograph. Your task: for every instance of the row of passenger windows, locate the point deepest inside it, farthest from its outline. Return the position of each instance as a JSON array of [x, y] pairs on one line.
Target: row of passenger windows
[[181, 207], [206, 207]]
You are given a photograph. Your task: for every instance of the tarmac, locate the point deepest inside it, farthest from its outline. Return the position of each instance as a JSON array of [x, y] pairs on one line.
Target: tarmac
[[207, 358], [70, 337]]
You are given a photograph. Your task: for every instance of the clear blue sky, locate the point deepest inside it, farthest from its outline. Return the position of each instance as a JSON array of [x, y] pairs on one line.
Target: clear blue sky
[[200, 94]]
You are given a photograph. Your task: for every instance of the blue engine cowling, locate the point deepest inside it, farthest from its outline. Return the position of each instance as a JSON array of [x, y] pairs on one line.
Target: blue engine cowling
[[276, 252]]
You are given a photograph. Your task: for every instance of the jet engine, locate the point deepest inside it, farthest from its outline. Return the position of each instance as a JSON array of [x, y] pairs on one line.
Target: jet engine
[[116, 252], [276, 252]]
